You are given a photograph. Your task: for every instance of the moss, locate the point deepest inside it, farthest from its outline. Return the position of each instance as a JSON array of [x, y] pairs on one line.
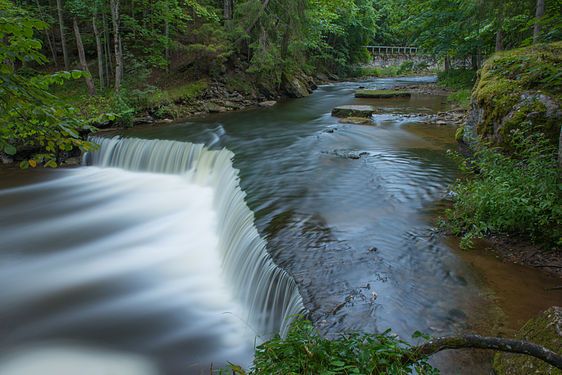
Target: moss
[[504, 80], [459, 134], [541, 330]]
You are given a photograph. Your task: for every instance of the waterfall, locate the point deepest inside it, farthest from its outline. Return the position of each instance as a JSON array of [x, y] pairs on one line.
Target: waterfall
[[268, 295]]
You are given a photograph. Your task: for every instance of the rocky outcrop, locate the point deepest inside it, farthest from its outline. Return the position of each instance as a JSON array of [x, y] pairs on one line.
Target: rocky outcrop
[[298, 86], [365, 111], [545, 330], [517, 90]]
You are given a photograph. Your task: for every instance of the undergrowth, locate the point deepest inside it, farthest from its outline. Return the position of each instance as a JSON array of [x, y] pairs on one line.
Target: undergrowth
[[509, 194], [305, 352], [457, 79]]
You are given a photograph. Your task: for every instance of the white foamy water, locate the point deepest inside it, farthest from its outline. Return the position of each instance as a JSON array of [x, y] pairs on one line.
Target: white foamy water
[[152, 251]]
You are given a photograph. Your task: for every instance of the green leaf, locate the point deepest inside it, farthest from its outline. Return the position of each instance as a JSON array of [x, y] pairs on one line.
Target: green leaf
[[9, 149]]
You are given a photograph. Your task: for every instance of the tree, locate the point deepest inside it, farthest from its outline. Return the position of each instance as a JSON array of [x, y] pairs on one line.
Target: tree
[[114, 5], [82, 57], [31, 118]]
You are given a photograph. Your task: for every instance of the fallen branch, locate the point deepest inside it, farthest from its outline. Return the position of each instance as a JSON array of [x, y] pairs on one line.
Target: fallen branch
[[481, 342]]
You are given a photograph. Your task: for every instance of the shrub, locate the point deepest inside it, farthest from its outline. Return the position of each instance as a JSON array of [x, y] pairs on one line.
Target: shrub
[[305, 351], [509, 194]]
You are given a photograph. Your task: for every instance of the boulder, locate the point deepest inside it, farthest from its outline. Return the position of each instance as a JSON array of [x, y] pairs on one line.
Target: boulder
[[215, 108], [353, 111], [296, 88], [381, 94], [545, 330], [143, 120], [508, 96], [267, 103]]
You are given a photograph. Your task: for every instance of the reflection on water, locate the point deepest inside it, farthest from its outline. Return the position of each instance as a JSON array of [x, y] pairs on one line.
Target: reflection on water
[[347, 229]]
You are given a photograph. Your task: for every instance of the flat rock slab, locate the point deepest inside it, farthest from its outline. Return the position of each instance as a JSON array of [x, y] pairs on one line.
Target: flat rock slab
[[381, 94], [353, 111], [357, 120]]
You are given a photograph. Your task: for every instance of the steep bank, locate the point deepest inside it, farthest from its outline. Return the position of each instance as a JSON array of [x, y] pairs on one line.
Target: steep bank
[[511, 193]]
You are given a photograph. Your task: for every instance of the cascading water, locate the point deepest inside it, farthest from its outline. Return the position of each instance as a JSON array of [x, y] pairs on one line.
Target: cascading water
[[146, 262], [267, 293]]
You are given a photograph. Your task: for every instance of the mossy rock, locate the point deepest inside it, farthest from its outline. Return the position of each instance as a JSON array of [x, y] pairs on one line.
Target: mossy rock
[[381, 94], [518, 89], [365, 111], [545, 330]]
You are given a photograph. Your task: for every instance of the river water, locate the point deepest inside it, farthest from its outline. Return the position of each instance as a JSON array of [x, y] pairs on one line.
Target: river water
[[124, 265]]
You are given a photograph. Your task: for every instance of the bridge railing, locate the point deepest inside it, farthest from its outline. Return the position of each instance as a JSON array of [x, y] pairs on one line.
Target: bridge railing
[[392, 50]]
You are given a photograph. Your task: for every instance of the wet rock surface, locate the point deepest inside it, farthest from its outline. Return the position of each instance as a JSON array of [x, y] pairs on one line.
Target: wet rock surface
[[545, 330], [365, 111], [381, 94]]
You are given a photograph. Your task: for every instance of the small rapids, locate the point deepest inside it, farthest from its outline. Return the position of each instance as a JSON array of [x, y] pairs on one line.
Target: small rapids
[[148, 258]]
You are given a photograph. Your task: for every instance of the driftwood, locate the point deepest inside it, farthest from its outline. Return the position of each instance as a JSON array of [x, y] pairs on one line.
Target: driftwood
[[482, 342]]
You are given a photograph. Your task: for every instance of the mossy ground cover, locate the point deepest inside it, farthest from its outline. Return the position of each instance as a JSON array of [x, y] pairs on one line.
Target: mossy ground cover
[[507, 76]]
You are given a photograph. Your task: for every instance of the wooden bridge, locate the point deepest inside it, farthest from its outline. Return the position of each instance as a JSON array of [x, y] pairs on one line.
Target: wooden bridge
[[392, 50]]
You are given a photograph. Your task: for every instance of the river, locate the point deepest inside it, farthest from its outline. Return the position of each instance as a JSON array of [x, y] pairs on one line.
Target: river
[[131, 264]]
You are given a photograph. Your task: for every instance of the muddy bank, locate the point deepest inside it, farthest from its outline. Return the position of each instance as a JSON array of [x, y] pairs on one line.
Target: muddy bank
[[519, 251]]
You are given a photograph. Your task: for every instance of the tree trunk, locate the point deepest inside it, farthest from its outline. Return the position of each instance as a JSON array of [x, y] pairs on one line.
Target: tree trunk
[[99, 51], [82, 57], [538, 16], [114, 5], [499, 40], [107, 47], [62, 37], [447, 64], [167, 49], [481, 342], [228, 9]]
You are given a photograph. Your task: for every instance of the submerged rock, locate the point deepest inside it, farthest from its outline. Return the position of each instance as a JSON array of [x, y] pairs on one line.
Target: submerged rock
[[347, 154], [545, 330], [353, 111], [381, 94]]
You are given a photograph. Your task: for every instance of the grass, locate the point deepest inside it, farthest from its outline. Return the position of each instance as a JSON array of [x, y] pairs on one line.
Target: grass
[[460, 98]]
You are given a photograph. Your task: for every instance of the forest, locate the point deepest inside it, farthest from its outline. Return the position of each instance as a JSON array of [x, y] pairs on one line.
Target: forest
[[133, 55], [437, 198]]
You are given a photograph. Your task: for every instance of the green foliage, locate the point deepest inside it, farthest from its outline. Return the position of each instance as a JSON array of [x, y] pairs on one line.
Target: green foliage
[[461, 98], [514, 195], [32, 119], [304, 351], [457, 78]]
